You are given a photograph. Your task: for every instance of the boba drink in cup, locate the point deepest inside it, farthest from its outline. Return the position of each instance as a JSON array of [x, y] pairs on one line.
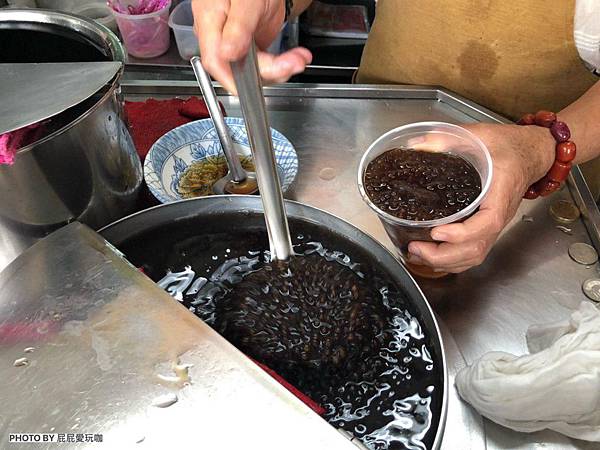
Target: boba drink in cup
[[401, 178]]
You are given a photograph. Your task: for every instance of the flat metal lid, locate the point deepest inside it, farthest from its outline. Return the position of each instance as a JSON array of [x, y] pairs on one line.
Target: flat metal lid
[[32, 92], [89, 345]]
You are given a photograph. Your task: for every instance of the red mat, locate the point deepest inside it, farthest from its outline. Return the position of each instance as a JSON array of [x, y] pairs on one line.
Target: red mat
[[149, 120], [301, 396]]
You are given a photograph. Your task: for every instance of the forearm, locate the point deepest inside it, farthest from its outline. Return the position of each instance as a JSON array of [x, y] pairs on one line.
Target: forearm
[[538, 146], [583, 119]]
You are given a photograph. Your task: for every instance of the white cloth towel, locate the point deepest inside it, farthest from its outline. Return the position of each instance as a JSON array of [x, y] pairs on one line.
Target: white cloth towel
[[587, 31], [556, 386]]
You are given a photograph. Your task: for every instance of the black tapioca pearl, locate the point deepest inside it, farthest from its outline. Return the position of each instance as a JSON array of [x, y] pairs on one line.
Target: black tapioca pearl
[[420, 173]]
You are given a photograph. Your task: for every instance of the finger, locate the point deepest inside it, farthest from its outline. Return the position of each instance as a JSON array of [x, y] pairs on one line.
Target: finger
[[496, 210], [242, 22], [459, 269], [446, 255], [209, 20], [430, 143], [279, 68], [412, 259], [483, 223], [489, 220], [435, 142]]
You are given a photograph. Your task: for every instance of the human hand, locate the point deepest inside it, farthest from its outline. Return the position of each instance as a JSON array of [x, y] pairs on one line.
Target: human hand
[[225, 29], [520, 156]]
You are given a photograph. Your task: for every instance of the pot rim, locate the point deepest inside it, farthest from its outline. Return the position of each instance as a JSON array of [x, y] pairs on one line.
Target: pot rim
[[77, 24], [437, 442]]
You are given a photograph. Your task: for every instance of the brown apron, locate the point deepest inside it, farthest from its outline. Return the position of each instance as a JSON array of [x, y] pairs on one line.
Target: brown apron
[[511, 56]]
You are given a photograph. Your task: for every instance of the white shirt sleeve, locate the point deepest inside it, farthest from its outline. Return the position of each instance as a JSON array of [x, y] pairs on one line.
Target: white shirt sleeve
[[587, 32]]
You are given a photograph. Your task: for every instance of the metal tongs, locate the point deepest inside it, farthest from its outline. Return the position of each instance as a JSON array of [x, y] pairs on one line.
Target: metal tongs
[[237, 180], [249, 87]]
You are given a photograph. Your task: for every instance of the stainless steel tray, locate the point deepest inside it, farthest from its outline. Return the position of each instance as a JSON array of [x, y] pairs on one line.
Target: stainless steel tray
[[528, 278], [90, 345]]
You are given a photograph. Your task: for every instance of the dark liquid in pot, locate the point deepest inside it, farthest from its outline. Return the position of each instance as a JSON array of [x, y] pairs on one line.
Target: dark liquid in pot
[[327, 321], [418, 185], [310, 319], [46, 43]]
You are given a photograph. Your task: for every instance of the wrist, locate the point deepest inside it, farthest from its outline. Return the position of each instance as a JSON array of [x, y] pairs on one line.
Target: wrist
[[564, 152], [539, 147]]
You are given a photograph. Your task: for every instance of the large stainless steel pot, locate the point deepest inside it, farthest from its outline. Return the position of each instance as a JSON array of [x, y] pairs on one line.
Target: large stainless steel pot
[[86, 169], [141, 237]]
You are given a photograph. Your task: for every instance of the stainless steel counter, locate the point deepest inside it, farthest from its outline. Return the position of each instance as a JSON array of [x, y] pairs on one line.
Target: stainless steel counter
[[88, 344], [528, 278]]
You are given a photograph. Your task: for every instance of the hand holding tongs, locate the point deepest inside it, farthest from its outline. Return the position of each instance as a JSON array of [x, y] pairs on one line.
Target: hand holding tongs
[[252, 101]]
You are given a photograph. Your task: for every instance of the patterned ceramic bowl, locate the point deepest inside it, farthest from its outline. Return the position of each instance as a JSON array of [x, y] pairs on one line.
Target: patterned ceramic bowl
[[173, 153]]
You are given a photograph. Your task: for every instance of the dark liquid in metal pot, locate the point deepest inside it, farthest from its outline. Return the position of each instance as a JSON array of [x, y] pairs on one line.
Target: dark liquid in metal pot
[[327, 321], [45, 43]]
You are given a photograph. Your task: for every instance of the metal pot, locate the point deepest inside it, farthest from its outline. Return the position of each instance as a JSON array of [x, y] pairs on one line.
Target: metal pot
[[86, 168], [149, 236]]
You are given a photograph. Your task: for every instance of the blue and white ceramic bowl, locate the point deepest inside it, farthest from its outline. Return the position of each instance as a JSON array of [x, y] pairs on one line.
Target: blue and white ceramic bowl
[[174, 152]]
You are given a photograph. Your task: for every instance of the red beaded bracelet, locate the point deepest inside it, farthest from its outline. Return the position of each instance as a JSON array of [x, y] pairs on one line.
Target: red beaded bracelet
[[565, 153]]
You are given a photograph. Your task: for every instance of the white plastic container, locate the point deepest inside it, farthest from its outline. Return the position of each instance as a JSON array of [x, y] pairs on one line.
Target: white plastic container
[[181, 21], [99, 11]]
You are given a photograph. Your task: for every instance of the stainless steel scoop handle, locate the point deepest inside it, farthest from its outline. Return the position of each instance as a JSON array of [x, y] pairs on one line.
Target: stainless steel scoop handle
[[238, 174], [252, 102]]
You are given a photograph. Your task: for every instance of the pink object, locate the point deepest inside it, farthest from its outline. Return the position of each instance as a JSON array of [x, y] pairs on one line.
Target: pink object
[[145, 34], [140, 7], [13, 333], [11, 142]]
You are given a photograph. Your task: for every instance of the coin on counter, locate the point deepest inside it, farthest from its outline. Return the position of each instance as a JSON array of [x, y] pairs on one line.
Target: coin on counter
[[564, 211], [591, 289], [583, 253]]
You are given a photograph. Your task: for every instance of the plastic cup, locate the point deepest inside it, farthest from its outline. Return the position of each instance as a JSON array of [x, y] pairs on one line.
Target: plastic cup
[[145, 35], [433, 137], [100, 12], [181, 21]]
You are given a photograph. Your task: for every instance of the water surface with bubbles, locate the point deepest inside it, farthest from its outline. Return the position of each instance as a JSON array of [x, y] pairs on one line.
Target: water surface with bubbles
[[329, 322]]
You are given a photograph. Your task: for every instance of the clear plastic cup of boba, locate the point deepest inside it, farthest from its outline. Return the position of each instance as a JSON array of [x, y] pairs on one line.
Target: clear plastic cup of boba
[[431, 137]]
